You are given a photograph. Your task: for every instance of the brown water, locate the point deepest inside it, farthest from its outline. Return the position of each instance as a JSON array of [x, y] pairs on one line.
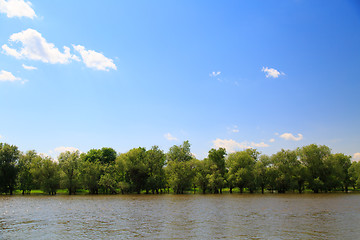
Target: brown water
[[269, 216]]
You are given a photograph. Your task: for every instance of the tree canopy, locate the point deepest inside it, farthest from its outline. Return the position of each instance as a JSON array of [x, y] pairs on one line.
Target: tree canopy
[[309, 168]]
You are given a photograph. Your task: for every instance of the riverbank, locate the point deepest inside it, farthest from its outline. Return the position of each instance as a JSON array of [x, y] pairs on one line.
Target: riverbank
[[197, 191]]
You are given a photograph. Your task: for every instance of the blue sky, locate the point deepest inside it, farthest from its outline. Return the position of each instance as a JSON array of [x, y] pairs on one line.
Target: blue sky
[[234, 74]]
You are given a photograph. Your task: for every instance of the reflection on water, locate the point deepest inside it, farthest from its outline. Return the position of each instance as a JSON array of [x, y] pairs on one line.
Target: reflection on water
[[288, 216]]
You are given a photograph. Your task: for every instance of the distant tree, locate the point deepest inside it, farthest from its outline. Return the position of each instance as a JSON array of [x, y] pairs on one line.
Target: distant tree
[[136, 169], [109, 180], [216, 177], [69, 163], [216, 181], [91, 170], [93, 155], [354, 174], [272, 174], [241, 165], [49, 175], [342, 165], [202, 171], [103, 155], [261, 173], [90, 174], [155, 160], [313, 157], [108, 155], [9, 156], [180, 168], [286, 163], [120, 168], [26, 166]]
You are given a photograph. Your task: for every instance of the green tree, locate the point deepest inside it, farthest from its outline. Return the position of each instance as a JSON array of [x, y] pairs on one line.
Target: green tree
[[286, 163], [155, 160], [108, 155], [202, 170], [261, 173], [216, 177], [343, 164], [9, 156], [241, 165], [49, 175], [90, 174], [179, 167], [313, 157], [69, 163], [120, 168], [26, 178], [354, 174], [93, 155], [136, 169], [109, 180]]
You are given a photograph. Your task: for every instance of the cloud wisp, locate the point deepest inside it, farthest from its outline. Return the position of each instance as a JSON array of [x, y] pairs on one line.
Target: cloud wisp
[[170, 137], [271, 72], [94, 59], [26, 67], [233, 129], [291, 137], [17, 8], [215, 74], [64, 149], [6, 76]]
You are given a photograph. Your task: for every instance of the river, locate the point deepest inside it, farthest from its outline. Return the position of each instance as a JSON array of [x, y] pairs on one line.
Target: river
[[231, 216]]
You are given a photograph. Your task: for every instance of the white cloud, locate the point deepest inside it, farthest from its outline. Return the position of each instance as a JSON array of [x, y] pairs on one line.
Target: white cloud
[[94, 59], [232, 146], [170, 137], [35, 47], [272, 140], [64, 149], [259, 145], [29, 67], [271, 72], [214, 74], [17, 8], [8, 76], [289, 136], [356, 157]]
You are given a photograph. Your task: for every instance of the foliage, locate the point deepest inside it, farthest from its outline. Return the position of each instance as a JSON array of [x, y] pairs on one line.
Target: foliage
[[311, 167], [180, 168], [9, 156], [69, 163]]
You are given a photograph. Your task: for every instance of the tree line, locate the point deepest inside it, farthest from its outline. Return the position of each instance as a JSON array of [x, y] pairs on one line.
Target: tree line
[[312, 167]]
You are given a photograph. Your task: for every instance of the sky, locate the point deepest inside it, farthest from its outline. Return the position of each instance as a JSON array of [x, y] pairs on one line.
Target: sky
[[270, 75]]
